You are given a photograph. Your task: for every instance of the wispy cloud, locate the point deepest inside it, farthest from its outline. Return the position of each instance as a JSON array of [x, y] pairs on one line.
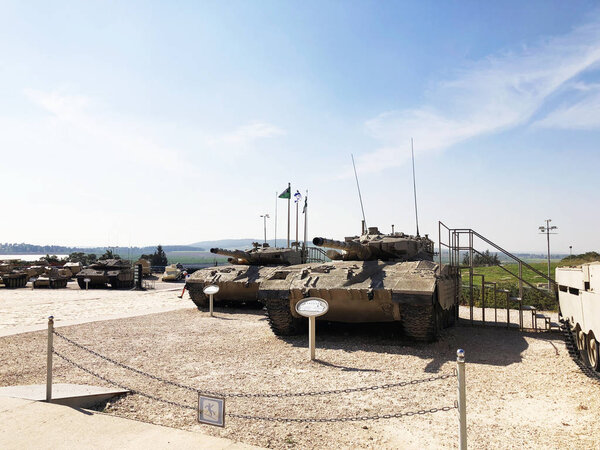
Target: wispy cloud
[[494, 94], [581, 115]]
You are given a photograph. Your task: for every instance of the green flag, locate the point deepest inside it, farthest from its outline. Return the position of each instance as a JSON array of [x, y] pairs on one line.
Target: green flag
[[286, 193]]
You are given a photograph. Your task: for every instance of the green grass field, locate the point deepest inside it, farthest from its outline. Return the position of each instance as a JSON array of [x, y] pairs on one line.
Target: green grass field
[[500, 275]]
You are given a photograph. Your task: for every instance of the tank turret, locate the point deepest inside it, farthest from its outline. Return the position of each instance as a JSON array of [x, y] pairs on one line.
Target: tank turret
[[374, 245], [261, 256]]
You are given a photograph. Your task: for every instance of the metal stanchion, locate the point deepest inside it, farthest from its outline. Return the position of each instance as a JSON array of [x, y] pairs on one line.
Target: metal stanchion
[[462, 400], [49, 360]]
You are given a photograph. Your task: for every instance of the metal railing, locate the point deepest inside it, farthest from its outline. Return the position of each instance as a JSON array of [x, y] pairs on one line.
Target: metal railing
[[450, 240]]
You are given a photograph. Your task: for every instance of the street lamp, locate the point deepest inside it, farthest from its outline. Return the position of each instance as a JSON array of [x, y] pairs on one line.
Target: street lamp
[[265, 217], [570, 250], [546, 230]]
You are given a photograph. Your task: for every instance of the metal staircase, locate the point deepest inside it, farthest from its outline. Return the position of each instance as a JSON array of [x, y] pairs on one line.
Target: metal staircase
[[453, 241]]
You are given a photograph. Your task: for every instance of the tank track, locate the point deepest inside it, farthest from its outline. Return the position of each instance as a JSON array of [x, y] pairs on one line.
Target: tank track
[[418, 322], [424, 323], [118, 284], [58, 284], [281, 320], [198, 297], [576, 354]]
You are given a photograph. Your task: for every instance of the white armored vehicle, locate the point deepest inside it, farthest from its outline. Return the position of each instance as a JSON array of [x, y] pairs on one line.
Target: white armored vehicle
[[579, 299]]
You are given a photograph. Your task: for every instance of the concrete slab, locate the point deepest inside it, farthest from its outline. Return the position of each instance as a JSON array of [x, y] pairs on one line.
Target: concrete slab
[[26, 424], [74, 395]]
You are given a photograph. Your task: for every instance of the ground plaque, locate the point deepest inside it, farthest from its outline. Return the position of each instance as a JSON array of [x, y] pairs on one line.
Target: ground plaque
[[211, 410]]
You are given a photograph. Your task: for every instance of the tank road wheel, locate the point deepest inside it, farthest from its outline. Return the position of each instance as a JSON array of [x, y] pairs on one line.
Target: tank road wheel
[[81, 283], [580, 339], [281, 320], [592, 351], [197, 296]]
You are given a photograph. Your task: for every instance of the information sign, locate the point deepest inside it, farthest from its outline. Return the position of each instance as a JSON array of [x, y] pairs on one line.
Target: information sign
[[312, 307]]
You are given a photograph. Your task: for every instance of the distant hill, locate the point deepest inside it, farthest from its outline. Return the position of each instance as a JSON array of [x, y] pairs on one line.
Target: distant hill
[[240, 244], [21, 249]]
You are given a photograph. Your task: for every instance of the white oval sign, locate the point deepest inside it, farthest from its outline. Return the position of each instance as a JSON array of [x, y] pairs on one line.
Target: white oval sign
[[86, 280], [312, 307], [212, 289]]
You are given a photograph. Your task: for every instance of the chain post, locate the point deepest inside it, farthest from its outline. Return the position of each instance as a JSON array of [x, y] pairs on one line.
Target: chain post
[[49, 359], [462, 400]]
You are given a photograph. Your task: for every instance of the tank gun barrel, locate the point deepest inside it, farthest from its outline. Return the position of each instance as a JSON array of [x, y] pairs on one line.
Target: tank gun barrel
[[350, 247], [239, 254]]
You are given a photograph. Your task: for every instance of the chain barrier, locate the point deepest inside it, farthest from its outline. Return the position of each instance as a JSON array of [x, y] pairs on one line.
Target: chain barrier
[[259, 395], [265, 418]]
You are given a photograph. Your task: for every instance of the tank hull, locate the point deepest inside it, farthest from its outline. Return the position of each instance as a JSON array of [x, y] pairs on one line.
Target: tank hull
[[237, 283], [14, 280], [116, 279], [420, 295]]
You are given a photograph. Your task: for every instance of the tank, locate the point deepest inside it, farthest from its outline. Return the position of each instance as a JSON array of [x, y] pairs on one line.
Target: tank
[[146, 269], [240, 281], [579, 302], [114, 272], [52, 278], [172, 273], [371, 278], [13, 277], [74, 267]]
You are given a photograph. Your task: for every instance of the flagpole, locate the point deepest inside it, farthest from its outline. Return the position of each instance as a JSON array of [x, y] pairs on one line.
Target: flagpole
[[276, 196], [289, 199], [304, 246], [297, 225]]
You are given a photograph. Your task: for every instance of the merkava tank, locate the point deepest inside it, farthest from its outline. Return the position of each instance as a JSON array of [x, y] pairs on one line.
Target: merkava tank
[[52, 278], [114, 272], [240, 281], [376, 278], [12, 277]]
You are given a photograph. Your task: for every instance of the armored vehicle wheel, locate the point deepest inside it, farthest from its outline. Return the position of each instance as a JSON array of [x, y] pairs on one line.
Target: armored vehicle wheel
[[580, 339], [281, 320], [592, 352], [81, 283], [197, 296]]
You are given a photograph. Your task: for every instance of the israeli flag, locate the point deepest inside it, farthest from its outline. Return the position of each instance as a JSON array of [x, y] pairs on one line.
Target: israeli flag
[[297, 197]]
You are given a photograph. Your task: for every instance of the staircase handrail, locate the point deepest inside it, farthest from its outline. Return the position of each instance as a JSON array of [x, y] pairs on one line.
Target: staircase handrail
[[508, 254]]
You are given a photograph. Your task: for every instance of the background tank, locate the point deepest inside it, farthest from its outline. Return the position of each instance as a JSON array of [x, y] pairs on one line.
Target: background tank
[[172, 273], [239, 282], [114, 272], [53, 278], [13, 277], [146, 268], [371, 278]]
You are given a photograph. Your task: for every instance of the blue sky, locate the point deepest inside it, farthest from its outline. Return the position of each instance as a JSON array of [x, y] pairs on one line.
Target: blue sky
[[137, 123]]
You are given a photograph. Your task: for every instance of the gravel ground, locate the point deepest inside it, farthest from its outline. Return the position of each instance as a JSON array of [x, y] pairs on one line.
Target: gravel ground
[[523, 390]]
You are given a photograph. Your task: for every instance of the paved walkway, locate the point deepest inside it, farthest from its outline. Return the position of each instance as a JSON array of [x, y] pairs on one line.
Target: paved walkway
[[27, 309], [26, 424]]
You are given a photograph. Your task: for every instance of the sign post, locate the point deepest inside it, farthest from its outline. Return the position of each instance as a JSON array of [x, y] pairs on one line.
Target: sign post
[[210, 291], [312, 307], [87, 282]]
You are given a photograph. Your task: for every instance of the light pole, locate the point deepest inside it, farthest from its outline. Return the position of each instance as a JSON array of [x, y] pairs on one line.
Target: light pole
[[570, 250], [546, 230], [265, 217]]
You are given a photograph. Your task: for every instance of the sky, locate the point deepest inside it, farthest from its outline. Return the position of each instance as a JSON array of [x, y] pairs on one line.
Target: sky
[[138, 123]]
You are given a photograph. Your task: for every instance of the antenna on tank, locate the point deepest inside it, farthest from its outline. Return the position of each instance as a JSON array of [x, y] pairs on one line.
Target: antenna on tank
[[364, 221], [414, 184]]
